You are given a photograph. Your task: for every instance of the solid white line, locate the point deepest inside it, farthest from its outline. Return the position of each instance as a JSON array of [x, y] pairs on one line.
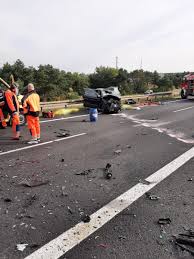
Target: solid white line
[[184, 109], [65, 118], [40, 144], [72, 237]]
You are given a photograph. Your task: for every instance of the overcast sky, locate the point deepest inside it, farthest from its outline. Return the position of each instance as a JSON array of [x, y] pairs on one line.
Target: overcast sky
[[78, 35]]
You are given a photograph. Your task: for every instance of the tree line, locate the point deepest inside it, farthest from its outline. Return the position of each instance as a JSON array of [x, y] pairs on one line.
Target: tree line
[[55, 84]]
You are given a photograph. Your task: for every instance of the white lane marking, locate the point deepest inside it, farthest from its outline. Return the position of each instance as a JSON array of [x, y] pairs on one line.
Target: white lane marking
[[41, 144], [72, 237], [158, 126], [65, 118], [184, 109]]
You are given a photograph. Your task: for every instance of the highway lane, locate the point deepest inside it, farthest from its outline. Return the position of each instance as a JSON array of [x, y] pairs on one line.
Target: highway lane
[[150, 150]]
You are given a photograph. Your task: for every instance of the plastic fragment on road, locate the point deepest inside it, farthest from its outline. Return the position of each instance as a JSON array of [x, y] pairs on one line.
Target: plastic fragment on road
[[33, 183], [164, 221], [138, 108], [21, 247]]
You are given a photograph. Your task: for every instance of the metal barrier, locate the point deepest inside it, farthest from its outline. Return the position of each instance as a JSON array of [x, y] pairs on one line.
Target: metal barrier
[[77, 102]]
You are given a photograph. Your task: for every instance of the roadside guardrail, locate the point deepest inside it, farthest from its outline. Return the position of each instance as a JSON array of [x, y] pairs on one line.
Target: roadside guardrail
[[77, 102]]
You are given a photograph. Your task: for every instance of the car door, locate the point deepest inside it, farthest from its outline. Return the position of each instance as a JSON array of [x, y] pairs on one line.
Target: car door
[[91, 98]]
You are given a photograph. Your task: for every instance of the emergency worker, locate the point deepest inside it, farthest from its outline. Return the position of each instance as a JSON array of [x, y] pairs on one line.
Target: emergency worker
[[2, 103], [12, 106], [31, 106]]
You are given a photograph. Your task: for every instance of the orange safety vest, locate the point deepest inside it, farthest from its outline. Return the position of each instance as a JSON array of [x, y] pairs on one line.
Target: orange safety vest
[[31, 104], [11, 102]]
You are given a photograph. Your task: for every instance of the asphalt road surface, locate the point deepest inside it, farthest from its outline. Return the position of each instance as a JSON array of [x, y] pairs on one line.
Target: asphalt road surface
[[154, 143]]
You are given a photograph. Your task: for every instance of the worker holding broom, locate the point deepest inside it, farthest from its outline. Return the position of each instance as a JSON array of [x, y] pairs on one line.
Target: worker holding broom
[[31, 106]]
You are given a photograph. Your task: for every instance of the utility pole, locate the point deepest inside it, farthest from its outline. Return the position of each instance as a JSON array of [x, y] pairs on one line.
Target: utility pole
[[117, 60], [141, 65]]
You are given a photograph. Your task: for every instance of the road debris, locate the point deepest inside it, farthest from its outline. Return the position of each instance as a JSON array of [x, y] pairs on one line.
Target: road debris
[[190, 179], [122, 237], [152, 196], [118, 152], [70, 210], [30, 200], [186, 241], [63, 134], [107, 172], [103, 246], [86, 172], [84, 217], [62, 160], [143, 181], [33, 182], [164, 221], [21, 247], [7, 200], [63, 190]]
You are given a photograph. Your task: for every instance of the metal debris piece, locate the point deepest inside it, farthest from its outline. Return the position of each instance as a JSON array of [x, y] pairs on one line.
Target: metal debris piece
[[62, 160], [190, 179], [21, 247], [164, 221], [69, 209], [152, 196], [33, 183], [118, 152]]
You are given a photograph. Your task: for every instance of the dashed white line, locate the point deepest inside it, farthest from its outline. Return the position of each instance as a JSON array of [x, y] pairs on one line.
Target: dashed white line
[[64, 118], [184, 109], [72, 237], [41, 144]]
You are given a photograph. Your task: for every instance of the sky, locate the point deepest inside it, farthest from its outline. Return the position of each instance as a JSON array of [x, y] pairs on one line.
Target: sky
[[80, 35]]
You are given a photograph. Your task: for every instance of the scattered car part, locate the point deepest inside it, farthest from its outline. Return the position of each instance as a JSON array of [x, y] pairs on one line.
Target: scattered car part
[[164, 221]]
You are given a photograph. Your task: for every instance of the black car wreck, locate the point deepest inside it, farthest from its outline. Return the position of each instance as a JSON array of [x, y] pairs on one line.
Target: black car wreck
[[106, 100]]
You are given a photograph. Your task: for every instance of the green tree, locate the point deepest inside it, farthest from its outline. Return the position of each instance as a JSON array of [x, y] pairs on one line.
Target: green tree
[[103, 77]]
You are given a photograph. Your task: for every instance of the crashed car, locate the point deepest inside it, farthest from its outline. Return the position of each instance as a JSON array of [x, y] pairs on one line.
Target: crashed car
[[106, 100]]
